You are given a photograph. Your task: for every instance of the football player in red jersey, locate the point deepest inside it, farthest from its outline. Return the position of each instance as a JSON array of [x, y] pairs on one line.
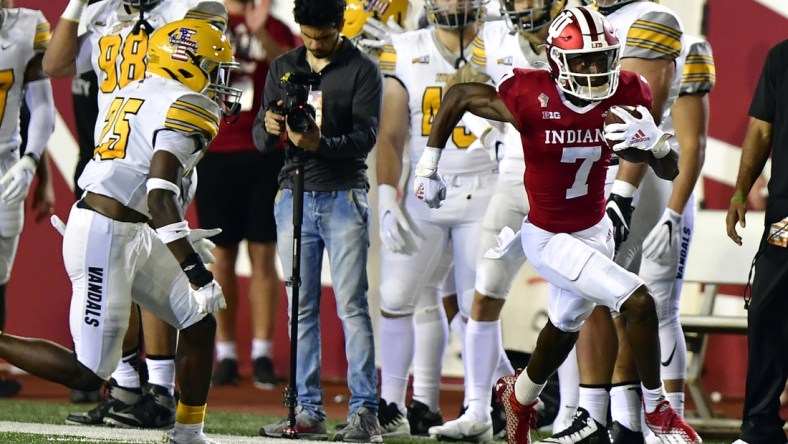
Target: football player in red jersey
[[567, 236]]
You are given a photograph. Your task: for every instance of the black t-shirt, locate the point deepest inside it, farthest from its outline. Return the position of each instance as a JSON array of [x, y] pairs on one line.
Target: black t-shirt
[[352, 89], [770, 104]]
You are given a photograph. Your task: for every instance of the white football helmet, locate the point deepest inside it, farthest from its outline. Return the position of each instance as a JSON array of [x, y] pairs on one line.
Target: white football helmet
[[532, 18], [453, 14], [583, 33]]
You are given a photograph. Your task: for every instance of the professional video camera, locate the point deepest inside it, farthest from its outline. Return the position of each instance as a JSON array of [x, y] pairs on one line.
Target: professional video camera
[[297, 85]]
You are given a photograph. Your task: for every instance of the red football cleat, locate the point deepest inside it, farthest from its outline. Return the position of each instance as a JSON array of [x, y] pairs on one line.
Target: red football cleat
[[668, 426], [519, 417]]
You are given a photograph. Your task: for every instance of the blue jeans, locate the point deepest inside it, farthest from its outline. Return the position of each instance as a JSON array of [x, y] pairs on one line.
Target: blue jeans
[[337, 221]]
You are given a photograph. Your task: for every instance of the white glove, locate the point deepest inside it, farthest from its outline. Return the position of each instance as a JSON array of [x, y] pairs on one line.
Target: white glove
[[663, 237], [641, 133], [58, 223], [17, 180], [209, 298], [428, 185], [201, 245], [393, 223], [377, 34]]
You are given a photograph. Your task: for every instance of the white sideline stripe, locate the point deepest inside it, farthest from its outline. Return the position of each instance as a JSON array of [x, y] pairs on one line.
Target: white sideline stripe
[[64, 150], [111, 435]]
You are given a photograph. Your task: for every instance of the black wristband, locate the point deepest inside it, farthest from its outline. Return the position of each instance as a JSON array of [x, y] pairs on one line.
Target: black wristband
[[195, 271]]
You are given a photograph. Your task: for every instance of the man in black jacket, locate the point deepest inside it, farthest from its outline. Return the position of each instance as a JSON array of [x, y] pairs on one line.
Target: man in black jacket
[[334, 146]]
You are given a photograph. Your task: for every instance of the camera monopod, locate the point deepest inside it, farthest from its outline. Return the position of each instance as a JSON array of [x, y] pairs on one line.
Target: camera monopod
[[294, 282]]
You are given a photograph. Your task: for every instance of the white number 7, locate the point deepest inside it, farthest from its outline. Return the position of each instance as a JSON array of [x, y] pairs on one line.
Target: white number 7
[[589, 155]]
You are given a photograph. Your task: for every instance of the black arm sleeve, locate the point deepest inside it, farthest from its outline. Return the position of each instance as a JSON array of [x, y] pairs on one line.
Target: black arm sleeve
[[264, 141]]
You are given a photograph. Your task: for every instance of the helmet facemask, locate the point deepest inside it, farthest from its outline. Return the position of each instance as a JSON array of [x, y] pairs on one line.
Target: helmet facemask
[[607, 7], [145, 5], [218, 86], [457, 14], [528, 20], [587, 85]]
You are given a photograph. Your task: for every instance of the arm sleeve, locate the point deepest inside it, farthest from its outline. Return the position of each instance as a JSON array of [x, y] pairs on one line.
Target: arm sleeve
[[43, 35], [264, 141], [194, 115], [699, 74], [656, 35], [367, 97], [38, 96], [479, 54]]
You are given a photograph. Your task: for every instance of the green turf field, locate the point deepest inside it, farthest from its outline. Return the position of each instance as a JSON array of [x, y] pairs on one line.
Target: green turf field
[[33, 422]]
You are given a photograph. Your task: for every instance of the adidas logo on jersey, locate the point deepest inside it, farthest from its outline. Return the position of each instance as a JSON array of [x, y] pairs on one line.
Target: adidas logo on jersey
[[639, 137], [421, 59]]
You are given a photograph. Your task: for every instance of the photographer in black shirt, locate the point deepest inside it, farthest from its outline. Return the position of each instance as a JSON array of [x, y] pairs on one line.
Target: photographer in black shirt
[[333, 148]]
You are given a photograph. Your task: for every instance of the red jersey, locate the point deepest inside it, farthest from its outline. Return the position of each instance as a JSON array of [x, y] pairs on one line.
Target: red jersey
[[566, 156], [250, 78]]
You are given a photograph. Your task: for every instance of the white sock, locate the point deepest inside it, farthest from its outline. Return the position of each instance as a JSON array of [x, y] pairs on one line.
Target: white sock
[[625, 406], [188, 430], [483, 348], [226, 350], [526, 390], [568, 386], [504, 366], [653, 397], [432, 333], [457, 327], [161, 371], [595, 401], [398, 333], [676, 400], [126, 373], [262, 348]]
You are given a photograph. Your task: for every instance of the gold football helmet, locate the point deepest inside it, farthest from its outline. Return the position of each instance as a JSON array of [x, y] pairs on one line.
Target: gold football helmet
[[358, 11], [198, 55]]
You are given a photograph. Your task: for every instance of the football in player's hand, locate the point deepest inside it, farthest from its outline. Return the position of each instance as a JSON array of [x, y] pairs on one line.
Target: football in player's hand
[[634, 155]]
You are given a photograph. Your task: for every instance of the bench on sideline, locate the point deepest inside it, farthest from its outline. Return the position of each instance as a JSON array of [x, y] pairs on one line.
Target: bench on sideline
[[714, 260]]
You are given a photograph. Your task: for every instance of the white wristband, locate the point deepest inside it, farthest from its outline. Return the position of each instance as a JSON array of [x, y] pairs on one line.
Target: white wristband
[[430, 157], [623, 188], [155, 183], [662, 147], [387, 195], [172, 232], [73, 11]]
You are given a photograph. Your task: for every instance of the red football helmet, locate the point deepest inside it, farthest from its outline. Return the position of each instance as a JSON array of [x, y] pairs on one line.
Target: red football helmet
[[581, 36]]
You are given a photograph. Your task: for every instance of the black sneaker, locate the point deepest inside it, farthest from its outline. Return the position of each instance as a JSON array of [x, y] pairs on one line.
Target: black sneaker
[[622, 435], [226, 373], [84, 397], [421, 418], [9, 388], [156, 410], [362, 427], [393, 421], [583, 430], [263, 376], [119, 399]]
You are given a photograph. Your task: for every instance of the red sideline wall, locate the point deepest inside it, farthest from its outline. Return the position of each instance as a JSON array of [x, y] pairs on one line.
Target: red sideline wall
[[39, 290]]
